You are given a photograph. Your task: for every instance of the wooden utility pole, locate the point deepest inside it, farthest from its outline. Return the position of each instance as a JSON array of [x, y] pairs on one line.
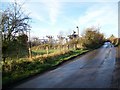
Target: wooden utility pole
[[30, 53]]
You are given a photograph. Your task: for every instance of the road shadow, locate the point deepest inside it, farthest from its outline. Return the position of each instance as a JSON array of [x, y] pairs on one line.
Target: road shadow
[[116, 74]]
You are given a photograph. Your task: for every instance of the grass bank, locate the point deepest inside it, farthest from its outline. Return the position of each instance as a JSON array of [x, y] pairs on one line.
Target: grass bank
[[42, 52], [20, 69]]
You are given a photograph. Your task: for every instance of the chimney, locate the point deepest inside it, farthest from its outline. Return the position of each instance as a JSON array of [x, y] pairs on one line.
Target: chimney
[[78, 30]]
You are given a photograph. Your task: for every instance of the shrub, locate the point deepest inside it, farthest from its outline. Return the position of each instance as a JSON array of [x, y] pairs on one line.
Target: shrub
[[92, 38]]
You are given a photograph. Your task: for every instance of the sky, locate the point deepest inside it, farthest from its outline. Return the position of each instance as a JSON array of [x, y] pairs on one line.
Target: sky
[[55, 17]]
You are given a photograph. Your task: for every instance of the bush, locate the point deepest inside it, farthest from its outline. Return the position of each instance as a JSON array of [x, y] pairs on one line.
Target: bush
[[92, 38], [15, 48], [115, 41]]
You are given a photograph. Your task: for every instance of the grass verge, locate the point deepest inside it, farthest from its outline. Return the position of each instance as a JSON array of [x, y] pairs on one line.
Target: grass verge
[[24, 69]]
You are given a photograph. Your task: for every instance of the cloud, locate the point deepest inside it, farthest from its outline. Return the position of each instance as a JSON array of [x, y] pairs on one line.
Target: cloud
[[40, 32], [96, 14], [44, 9], [36, 16], [50, 13], [104, 14], [36, 11], [53, 7], [62, 0]]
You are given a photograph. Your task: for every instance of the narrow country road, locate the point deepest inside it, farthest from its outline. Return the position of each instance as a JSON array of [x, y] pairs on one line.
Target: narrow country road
[[92, 70]]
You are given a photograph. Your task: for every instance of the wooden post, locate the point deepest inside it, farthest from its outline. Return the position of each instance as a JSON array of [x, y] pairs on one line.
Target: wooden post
[[47, 49], [30, 53]]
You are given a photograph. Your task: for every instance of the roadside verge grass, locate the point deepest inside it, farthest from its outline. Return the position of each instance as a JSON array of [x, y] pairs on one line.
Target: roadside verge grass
[[21, 69]]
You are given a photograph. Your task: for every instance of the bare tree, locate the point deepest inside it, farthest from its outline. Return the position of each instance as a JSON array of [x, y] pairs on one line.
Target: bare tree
[[73, 39], [49, 45], [61, 38], [13, 23], [35, 41]]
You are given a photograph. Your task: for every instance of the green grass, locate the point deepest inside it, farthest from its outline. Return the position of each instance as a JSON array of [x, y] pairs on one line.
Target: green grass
[[24, 68], [41, 52]]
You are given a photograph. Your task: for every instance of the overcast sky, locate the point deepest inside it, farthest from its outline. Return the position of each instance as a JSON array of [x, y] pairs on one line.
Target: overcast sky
[[52, 17]]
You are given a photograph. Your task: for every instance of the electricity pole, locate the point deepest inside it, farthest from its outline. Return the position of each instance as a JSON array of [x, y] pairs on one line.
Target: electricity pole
[[30, 53]]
